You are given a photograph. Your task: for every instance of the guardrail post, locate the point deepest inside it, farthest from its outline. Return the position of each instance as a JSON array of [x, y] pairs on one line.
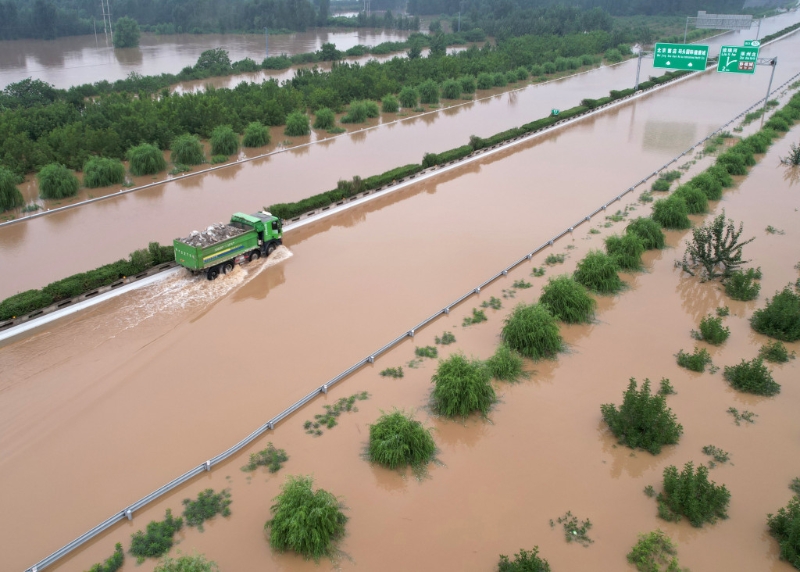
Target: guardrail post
[[207, 465], [410, 333], [325, 389], [128, 514], [447, 311], [371, 359], [477, 290]]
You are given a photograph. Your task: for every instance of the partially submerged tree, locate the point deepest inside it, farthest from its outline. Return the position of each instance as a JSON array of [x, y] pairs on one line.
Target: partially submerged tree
[[126, 33], [715, 250]]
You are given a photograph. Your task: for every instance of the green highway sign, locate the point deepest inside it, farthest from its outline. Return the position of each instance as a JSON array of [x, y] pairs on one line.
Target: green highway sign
[[680, 57], [737, 59], [751, 43], [554, 112]]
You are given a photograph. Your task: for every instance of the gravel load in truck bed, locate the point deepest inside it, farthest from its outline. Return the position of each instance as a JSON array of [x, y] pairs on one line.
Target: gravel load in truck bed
[[212, 235]]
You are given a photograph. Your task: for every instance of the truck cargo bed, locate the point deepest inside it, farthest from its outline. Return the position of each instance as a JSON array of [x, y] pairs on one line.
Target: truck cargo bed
[[212, 235]]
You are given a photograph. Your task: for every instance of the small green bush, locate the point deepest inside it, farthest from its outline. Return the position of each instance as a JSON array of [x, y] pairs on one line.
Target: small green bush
[[733, 163], [408, 97], [324, 118], [427, 352], [269, 457], [462, 386], [451, 89], [305, 521], [112, 563], [598, 272], [428, 92], [224, 141], [696, 361], [775, 352], [219, 159], [468, 84], [146, 159], [446, 339], [695, 199], [158, 538], [785, 527], [712, 331], [499, 79], [524, 561], [10, 196], [626, 250], [742, 285], [193, 563], [710, 185], [103, 172], [256, 135], [297, 124], [186, 150], [390, 104], [654, 552], [397, 440], [372, 109], [506, 364], [672, 213], [752, 377], [57, 182], [394, 372], [477, 317], [661, 185], [643, 421], [567, 300], [780, 319], [690, 494], [208, 505], [720, 175], [532, 331], [649, 231], [778, 124]]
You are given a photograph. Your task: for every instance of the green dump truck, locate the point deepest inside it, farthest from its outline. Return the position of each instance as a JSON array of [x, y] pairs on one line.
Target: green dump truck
[[220, 246]]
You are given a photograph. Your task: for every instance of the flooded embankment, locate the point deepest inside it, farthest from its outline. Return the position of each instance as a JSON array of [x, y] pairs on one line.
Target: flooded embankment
[[161, 213], [106, 406]]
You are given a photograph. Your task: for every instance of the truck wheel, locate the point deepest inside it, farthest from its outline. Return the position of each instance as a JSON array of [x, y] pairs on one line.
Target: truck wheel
[[227, 268], [212, 273], [271, 248], [255, 255]]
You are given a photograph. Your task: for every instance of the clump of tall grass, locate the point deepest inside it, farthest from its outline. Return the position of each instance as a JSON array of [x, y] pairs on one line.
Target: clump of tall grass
[[775, 352], [654, 552], [672, 213], [451, 89], [553, 259], [297, 124], [408, 97], [462, 386], [390, 104], [696, 361], [712, 331], [468, 83], [506, 364], [57, 182], [752, 377], [112, 563], [305, 521], [324, 118], [493, 303], [356, 113], [190, 563], [780, 319], [393, 372], [626, 250], [446, 339], [742, 285], [524, 561], [372, 109], [10, 196], [427, 351], [661, 185], [157, 538], [219, 159], [269, 457], [649, 231], [690, 494], [721, 176], [428, 92], [186, 150], [103, 172], [224, 141], [643, 421], [695, 199], [332, 413], [532, 330], [710, 185], [146, 159], [785, 528], [256, 135], [208, 505], [598, 272], [477, 317], [397, 440], [567, 300]]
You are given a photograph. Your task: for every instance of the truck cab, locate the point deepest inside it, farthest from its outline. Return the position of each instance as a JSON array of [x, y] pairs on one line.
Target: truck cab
[[268, 227]]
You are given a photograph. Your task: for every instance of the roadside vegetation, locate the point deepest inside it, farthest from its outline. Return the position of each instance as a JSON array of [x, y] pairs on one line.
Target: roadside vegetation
[[506, 364], [462, 386], [752, 377], [208, 505], [191, 563], [531, 330], [57, 182], [649, 231], [397, 440], [691, 495], [784, 526], [712, 331], [695, 361], [567, 300], [112, 563], [655, 552], [598, 272], [524, 561], [157, 538], [329, 419], [101, 172], [270, 457], [780, 319]]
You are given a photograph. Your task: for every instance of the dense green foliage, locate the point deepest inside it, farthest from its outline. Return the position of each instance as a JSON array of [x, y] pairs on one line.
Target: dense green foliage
[[715, 249], [671, 213], [506, 364], [742, 285], [390, 104], [187, 150], [785, 527], [626, 250], [643, 421], [654, 552], [57, 182], [297, 124], [305, 521], [193, 563], [524, 561], [224, 141], [696, 361], [780, 319], [695, 199], [567, 300], [598, 272], [690, 494], [649, 231], [102, 172], [324, 118], [752, 377], [112, 563], [157, 539], [532, 331], [256, 135], [208, 505], [461, 387], [397, 440], [712, 330], [775, 352], [10, 196], [269, 457], [126, 33], [146, 159]]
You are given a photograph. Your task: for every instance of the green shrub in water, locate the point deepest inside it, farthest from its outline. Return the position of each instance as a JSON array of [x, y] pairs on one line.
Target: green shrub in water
[[712, 330], [408, 97], [567, 300], [390, 104], [269, 457], [157, 539], [468, 84], [752, 377], [103, 172], [598, 272], [324, 118], [297, 124], [357, 113], [696, 361], [785, 527], [672, 213], [742, 285], [710, 185], [732, 162], [775, 352], [721, 175], [112, 563], [462, 386], [372, 109], [256, 135], [224, 141], [654, 552], [780, 319], [695, 199], [208, 505], [499, 79], [192, 563], [305, 521], [451, 89], [506, 364], [626, 250], [643, 421], [690, 494], [146, 159], [10, 196], [661, 185], [186, 150], [649, 231], [397, 440], [524, 561], [57, 182], [532, 330], [428, 92]]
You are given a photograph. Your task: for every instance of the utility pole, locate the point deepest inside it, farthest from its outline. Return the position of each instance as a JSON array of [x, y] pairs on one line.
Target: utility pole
[[105, 8], [758, 32], [686, 29], [774, 64], [94, 23], [638, 67], [266, 40]]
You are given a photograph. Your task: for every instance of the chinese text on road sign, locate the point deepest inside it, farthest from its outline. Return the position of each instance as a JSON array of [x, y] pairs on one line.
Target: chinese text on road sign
[[737, 59], [680, 57]]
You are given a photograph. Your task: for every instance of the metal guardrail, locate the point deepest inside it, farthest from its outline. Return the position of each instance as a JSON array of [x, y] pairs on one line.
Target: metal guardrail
[[323, 389]]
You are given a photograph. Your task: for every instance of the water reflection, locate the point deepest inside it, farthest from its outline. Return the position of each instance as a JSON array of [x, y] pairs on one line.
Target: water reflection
[[668, 136], [623, 459], [792, 175], [129, 56], [699, 298], [456, 433]]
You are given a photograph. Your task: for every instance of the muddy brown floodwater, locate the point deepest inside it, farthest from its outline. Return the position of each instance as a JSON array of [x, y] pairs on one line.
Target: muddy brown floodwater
[[673, 119], [105, 406], [79, 59]]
